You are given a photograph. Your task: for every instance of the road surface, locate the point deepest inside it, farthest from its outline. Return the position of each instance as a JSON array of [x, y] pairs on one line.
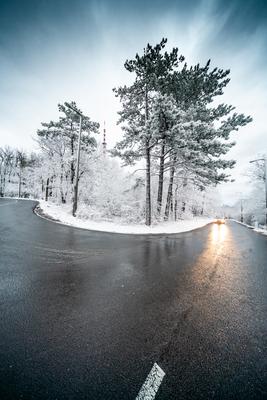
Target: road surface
[[86, 315]]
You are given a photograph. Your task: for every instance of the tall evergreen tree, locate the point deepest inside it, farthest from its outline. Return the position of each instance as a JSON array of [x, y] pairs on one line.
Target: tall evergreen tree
[[151, 72], [206, 144], [167, 115], [59, 138]]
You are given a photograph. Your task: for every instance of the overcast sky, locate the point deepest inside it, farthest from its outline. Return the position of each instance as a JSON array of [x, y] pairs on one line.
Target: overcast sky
[[53, 51]]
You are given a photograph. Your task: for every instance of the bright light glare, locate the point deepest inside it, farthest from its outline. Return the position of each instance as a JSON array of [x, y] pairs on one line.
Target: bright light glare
[[218, 232]]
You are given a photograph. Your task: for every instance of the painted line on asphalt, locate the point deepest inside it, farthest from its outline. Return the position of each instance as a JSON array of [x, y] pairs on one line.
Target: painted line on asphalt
[[152, 383]]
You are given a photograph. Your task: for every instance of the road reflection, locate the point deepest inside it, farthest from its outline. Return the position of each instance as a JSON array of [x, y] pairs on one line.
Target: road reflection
[[217, 246], [218, 233]]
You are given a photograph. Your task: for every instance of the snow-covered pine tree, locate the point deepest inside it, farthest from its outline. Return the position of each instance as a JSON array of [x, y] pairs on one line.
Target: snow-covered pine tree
[[205, 129], [164, 117], [7, 167], [151, 72], [187, 86], [70, 121], [58, 139], [256, 171]]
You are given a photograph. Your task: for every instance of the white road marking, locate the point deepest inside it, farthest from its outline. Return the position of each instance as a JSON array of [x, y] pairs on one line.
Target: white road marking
[[152, 383]]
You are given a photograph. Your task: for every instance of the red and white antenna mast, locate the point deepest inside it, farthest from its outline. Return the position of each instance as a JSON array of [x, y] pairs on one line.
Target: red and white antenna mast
[[104, 144]]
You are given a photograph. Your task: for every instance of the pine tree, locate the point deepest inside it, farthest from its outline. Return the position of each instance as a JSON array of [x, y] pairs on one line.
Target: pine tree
[[151, 72], [194, 89], [59, 140]]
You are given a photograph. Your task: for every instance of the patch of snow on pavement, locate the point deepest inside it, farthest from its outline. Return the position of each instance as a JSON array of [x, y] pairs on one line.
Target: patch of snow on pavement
[[63, 214]]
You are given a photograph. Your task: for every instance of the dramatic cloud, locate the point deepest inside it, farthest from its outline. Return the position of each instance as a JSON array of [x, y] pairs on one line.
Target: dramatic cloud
[[57, 50]]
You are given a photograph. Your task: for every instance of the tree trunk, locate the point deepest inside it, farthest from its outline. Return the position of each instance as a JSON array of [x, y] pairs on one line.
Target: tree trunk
[[3, 186], [175, 210], [148, 167], [19, 194], [148, 186], [42, 187], [184, 202], [161, 177], [47, 189], [169, 195], [175, 204], [51, 181], [72, 167], [203, 204], [63, 200]]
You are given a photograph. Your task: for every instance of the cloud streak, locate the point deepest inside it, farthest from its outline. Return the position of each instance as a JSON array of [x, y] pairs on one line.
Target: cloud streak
[[52, 51]]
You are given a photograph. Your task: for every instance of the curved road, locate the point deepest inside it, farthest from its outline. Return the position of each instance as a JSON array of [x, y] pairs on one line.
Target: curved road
[[85, 315]]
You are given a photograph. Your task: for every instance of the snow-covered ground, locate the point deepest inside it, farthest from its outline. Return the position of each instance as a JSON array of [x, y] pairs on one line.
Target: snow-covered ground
[[63, 214], [260, 230]]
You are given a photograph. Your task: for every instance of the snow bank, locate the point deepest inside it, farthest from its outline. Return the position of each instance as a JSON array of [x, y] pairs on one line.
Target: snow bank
[[19, 198], [259, 230], [62, 214]]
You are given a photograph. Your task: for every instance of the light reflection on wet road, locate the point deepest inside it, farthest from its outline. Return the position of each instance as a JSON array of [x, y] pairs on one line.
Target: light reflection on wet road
[[85, 315], [219, 233]]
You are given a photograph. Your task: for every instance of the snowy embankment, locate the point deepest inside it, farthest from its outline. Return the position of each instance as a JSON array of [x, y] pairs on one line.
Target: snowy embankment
[[259, 230], [62, 214]]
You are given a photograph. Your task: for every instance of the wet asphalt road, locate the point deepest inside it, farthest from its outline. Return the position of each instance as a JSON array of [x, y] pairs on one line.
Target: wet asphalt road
[[85, 315]]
